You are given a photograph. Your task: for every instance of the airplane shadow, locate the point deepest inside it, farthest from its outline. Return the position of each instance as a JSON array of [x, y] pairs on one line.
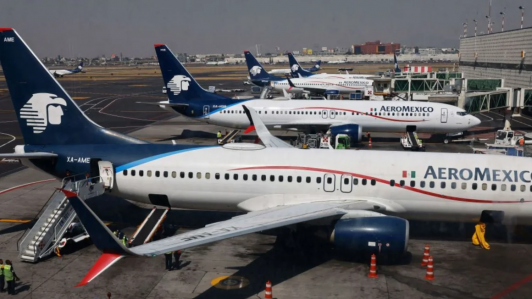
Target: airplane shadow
[[17, 227]]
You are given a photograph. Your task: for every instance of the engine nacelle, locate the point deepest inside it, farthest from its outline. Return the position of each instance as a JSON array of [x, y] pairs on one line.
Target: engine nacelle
[[364, 234], [353, 130]]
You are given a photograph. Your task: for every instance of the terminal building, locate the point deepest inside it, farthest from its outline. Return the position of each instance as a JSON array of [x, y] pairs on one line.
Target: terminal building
[[375, 47]]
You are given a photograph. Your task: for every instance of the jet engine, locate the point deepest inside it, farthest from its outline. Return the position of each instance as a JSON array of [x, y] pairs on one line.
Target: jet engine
[[381, 234], [353, 130]]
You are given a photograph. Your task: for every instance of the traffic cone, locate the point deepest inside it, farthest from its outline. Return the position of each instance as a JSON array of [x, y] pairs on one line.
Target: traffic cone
[[373, 267], [430, 270], [426, 255], [268, 291], [369, 144]]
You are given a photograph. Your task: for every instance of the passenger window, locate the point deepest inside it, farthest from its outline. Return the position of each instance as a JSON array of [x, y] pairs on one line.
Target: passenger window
[[165, 174], [133, 174], [190, 175], [431, 184], [124, 172], [157, 173], [309, 179], [141, 172], [442, 185], [318, 180], [263, 177], [512, 187], [235, 177], [484, 186], [227, 176], [217, 176], [329, 180], [281, 178], [208, 175], [493, 187], [474, 186], [364, 182], [346, 181], [392, 183], [245, 177], [182, 174], [198, 175], [373, 182], [272, 178], [174, 174], [289, 178], [254, 177], [412, 184], [503, 187], [464, 186], [422, 184], [523, 188], [402, 183], [299, 179], [453, 185], [148, 173], [355, 181]]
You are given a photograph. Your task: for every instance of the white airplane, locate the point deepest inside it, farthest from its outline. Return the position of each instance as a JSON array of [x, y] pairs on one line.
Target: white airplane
[[360, 199], [221, 62], [61, 73], [337, 61], [333, 85], [188, 98]]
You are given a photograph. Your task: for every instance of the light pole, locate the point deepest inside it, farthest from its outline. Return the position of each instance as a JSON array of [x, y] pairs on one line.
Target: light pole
[[475, 27], [522, 8], [502, 27], [489, 24], [465, 29]]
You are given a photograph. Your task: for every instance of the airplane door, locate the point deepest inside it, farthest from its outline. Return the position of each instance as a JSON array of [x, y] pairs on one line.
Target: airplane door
[[346, 185], [107, 174], [444, 115], [329, 182], [206, 110], [332, 114], [324, 113]]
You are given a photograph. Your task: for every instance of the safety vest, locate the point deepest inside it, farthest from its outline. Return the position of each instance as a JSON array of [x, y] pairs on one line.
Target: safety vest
[[124, 241], [168, 253], [8, 274], [219, 135]]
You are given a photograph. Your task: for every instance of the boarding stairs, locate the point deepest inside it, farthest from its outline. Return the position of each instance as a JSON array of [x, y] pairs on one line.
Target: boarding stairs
[[149, 227], [412, 137], [229, 137], [55, 218]]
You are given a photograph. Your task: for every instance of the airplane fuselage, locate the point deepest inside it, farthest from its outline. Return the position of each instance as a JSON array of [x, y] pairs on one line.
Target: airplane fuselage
[[302, 115], [423, 186]]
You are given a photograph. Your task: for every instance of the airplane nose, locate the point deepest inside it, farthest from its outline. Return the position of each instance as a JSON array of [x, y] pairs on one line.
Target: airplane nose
[[475, 121]]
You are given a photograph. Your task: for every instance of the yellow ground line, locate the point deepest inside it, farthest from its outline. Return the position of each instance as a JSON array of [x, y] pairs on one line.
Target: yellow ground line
[[80, 98], [14, 220]]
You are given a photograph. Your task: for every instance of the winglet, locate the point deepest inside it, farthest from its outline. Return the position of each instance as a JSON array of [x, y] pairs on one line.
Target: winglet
[[262, 131], [105, 261]]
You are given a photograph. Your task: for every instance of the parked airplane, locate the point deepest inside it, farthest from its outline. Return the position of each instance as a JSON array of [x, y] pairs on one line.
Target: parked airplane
[[61, 73], [257, 73], [221, 62], [329, 85], [296, 69], [186, 97], [337, 61], [359, 198]]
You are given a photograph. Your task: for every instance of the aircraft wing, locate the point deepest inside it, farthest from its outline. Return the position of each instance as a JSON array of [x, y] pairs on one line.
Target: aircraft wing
[[35, 155], [265, 136]]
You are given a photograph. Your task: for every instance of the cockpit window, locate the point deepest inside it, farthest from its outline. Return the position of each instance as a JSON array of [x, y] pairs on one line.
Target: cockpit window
[[461, 113], [501, 135]]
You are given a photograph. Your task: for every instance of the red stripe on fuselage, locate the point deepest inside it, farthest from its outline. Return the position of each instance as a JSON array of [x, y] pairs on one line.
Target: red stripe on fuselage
[[357, 175], [376, 116]]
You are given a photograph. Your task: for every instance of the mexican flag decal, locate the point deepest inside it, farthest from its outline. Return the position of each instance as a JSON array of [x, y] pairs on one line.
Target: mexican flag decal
[[409, 174]]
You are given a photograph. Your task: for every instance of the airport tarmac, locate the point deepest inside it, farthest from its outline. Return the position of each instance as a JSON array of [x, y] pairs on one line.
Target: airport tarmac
[[461, 270]]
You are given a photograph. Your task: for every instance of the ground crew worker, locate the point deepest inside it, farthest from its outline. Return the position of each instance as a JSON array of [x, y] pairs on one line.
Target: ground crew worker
[[478, 237], [219, 134], [9, 275], [125, 241], [522, 141], [2, 283], [177, 256], [168, 258]]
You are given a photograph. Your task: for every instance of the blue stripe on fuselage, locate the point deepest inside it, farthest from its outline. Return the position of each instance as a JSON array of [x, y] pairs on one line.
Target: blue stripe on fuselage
[[199, 105]]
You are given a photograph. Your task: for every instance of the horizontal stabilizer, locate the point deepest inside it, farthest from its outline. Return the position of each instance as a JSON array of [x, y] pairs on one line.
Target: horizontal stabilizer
[[36, 155]]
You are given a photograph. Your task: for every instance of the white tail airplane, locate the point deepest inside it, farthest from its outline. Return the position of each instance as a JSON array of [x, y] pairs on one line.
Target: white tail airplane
[[61, 73], [360, 198], [188, 98]]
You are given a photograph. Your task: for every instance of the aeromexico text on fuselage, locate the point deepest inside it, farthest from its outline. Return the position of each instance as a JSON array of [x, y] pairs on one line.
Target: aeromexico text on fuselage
[[406, 109], [485, 174]]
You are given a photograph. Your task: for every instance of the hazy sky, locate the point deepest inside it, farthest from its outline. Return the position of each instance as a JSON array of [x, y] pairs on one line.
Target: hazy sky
[[96, 27]]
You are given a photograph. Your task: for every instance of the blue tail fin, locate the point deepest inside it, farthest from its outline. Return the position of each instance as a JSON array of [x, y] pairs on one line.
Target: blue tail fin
[[395, 64], [257, 73], [45, 112], [181, 86], [295, 68], [316, 67], [79, 68]]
